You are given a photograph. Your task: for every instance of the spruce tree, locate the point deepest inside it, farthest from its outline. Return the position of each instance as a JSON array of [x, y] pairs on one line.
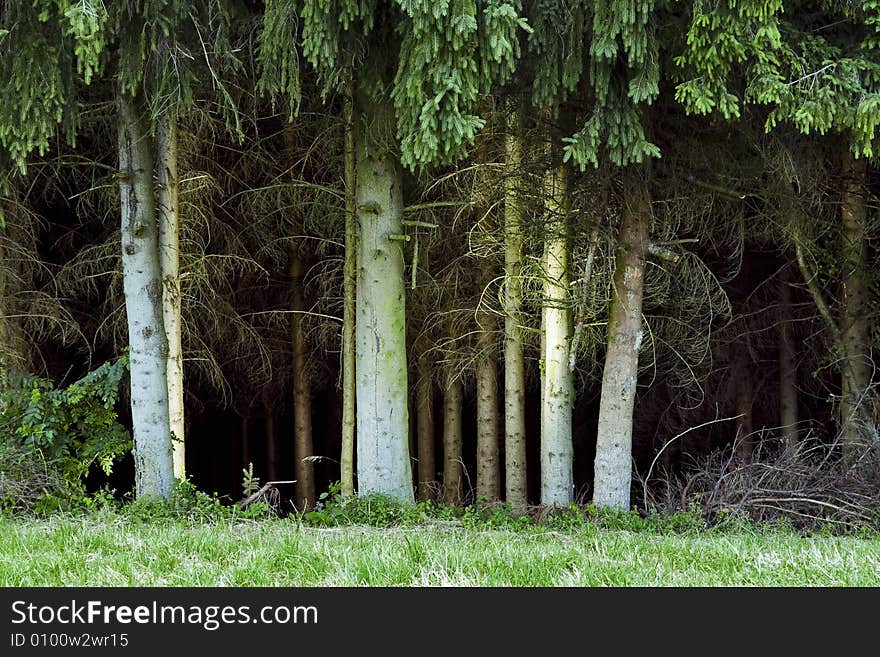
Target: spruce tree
[[418, 70]]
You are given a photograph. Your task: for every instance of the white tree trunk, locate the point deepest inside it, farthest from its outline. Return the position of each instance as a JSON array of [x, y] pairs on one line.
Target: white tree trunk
[[169, 262], [557, 389], [613, 463], [514, 370], [142, 281], [383, 460]]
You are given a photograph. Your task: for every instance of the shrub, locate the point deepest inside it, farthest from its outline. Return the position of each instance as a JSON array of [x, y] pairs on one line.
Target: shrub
[[52, 436]]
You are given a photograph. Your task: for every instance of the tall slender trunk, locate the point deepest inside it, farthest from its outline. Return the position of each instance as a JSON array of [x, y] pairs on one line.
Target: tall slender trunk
[[856, 304], [514, 369], [380, 369], [349, 278], [452, 464], [488, 467], [788, 396], [5, 347], [486, 369], [142, 282], [613, 463], [303, 448], [557, 390], [167, 200], [425, 426], [302, 397]]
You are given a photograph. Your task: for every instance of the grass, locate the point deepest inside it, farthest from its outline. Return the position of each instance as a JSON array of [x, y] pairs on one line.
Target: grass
[[114, 550]]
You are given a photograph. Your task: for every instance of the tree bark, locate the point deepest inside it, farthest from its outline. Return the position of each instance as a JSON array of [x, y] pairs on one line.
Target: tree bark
[[856, 329], [304, 469], [613, 463], [486, 368], [452, 463], [381, 371], [142, 282], [349, 278], [788, 396], [514, 369], [557, 390], [488, 467], [168, 205], [304, 472], [425, 426]]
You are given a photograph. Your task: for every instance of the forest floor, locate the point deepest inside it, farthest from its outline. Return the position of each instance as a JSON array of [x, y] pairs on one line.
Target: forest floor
[[114, 550]]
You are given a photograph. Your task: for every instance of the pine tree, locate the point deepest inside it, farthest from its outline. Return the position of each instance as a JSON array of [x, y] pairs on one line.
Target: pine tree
[[817, 71], [418, 71]]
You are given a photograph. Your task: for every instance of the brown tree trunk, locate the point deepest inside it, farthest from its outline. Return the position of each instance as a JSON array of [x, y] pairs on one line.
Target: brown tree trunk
[[425, 426], [514, 368], [788, 397], [613, 463], [856, 330], [302, 398], [744, 396], [452, 464], [304, 469], [349, 278], [488, 468]]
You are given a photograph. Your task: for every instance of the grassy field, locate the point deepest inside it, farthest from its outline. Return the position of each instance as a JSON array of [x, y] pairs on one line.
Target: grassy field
[[116, 551]]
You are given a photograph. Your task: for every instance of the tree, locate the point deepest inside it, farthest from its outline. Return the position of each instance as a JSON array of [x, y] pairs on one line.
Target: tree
[[819, 72], [406, 53]]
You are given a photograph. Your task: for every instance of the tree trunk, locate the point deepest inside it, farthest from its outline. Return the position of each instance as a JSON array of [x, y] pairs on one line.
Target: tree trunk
[[304, 472], [142, 282], [486, 368], [381, 371], [788, 397], [613, 463], [5, 347], [856, 305], [557, 391], [425, 426], [745, 444], [169, 261], [304, 469], [452, 463], [488, 467], [349, 277], [514, 369]]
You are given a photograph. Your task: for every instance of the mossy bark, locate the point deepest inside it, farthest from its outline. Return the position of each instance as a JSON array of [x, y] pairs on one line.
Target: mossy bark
[[514, 369], [383, 460], [349, 285]]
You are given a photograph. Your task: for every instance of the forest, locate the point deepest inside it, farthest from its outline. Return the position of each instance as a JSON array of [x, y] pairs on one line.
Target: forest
[[536, 253]]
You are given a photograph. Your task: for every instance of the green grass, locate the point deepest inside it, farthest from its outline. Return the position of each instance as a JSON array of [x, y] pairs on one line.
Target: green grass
[[113, 550]]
